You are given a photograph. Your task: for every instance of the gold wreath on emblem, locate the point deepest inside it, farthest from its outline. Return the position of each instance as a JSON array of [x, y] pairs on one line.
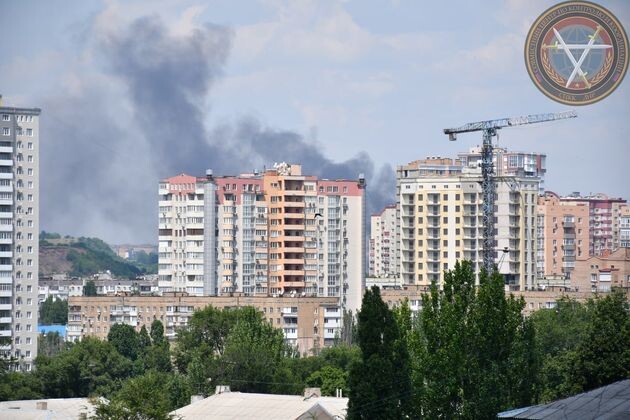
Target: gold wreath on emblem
[[608, 62]]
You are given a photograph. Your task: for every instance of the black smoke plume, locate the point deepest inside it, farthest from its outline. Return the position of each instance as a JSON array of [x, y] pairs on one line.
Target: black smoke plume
[[102, 156]]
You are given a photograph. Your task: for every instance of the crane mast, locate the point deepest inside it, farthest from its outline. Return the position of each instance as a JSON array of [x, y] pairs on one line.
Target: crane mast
[[488, 184]]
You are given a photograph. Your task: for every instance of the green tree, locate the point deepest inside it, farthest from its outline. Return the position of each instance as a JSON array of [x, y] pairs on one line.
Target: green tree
[[89, 367], [89, 289], [558, 332], [157, 332], [50, 344], [205, 335], [380, 382], [144, 341], [125, 340], [603, 356], [53, 311], [253, 353], [472, 349], [152, 395], [329, 379]]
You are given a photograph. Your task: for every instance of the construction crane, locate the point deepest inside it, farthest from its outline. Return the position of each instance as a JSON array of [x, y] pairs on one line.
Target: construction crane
[[489, 129]]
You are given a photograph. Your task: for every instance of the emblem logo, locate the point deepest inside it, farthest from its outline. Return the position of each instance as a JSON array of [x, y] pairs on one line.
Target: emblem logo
[[576, 53]]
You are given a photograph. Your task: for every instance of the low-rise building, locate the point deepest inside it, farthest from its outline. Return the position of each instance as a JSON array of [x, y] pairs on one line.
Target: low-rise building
[[307, 322], [603, 273], [534, 299]]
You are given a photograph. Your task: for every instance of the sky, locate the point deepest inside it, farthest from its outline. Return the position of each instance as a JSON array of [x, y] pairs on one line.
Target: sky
[[132, 92]]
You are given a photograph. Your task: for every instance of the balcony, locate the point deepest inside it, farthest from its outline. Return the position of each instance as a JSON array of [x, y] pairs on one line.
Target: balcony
[[5, 320], [5, 333]]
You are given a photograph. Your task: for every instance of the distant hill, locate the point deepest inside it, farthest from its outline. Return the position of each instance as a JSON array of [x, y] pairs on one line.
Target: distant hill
[[86, 256]]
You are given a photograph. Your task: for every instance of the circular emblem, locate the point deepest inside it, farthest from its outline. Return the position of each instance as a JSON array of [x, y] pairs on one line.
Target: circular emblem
[[576, 53]]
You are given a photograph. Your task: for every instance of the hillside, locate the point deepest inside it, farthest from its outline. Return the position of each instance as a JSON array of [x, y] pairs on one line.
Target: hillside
[[83, 257]]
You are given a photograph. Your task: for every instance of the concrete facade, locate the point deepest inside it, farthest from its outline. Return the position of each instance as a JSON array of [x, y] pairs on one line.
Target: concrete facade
[[19, 233], [534, 299], [265, 234], [383, 245], [562, 235], [604, 272], [439, 203], [306, 322], [604, 220]]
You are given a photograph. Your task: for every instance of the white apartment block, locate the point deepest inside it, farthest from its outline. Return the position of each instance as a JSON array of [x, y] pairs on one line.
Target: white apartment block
[[624, 226], [440, 205], [19, 239], [270, 234], [383, 245]]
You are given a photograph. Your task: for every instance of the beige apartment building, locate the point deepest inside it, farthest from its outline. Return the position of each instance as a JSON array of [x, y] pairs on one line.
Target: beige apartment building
[[266, 234], [562, 235], [383, 245], [440, 220], [306, 322], [534, 299], [19, 233]]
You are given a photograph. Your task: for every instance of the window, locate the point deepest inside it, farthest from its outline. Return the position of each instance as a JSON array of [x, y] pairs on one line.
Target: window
[[6, 131], [30, 145], [6, 117], [29, 132]]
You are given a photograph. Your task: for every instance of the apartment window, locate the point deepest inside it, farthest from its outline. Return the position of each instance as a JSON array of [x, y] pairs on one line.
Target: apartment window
[[445, 231], [6, 117], [30, 171], [29, 327], [30, 145], [28, 340], [444, 208], [29, 132], [445, 254], [30, 158], [457, 195], [6, 131], [444, 219]]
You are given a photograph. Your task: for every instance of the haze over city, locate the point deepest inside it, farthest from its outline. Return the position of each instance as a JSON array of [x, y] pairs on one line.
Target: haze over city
[[133, 93]]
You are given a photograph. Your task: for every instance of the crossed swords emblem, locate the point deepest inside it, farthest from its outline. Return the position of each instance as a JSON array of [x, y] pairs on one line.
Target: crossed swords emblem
[[586, 48]]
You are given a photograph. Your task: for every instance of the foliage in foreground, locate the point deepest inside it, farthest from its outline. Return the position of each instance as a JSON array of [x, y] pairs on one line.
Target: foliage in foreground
[[468, 354]]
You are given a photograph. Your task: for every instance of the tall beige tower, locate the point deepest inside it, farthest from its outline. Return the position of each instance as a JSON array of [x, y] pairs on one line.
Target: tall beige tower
[[440, 223], [19, 239]]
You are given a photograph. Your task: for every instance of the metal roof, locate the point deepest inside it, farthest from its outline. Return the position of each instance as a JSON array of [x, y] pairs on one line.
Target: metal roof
[[237, 405], [57, 409], [608, 402]]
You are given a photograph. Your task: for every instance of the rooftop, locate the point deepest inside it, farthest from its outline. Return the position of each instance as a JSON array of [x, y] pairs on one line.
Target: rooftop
[[608, 402], [237, 405]]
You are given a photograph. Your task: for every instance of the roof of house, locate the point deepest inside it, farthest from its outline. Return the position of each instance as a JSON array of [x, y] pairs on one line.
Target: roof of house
[[237, 405], [56, 409], [608, 402]]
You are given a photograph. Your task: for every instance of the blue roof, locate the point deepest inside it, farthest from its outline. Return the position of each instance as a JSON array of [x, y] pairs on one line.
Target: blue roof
[[45, 329]]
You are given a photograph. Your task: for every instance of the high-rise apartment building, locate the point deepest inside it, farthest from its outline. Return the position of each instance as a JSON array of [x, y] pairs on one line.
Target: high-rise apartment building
[[440, 220], [274, 233], [19, 239], [383, 245], [562, 235], [510, 163], [624, 226], [604, 220]]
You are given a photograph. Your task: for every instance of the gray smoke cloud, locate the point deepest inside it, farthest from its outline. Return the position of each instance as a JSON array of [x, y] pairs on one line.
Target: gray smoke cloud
[[102, 157]]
